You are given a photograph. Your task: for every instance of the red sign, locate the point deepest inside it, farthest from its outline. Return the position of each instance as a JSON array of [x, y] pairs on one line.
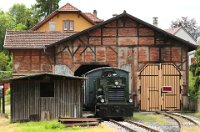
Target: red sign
[[166, 89]]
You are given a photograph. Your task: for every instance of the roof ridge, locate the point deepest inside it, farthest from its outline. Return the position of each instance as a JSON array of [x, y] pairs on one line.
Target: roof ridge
[[31, 31], [68, 4]]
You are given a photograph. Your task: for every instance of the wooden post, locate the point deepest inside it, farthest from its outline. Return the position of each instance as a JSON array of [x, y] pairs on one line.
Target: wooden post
[[3, 101], [1, 96], [0, 101]]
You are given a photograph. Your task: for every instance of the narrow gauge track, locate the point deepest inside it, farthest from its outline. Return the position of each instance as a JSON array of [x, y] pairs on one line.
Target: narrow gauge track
[[180, 119], [187, 118], [133, 126]]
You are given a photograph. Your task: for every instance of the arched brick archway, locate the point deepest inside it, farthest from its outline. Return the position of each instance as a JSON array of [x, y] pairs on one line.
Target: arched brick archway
[[87, 67]]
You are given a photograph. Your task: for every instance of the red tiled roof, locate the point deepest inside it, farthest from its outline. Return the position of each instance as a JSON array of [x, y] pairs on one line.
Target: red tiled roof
[[68, 7], [172, 30], [93, 18], [32, 39]]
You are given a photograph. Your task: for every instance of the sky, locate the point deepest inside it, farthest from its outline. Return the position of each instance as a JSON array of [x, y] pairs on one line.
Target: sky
[[165, 10]]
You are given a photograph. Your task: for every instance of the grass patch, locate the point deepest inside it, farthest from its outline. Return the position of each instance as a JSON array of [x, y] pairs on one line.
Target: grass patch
[[197, 115], [55, 126], [149, 118], [44, 126]]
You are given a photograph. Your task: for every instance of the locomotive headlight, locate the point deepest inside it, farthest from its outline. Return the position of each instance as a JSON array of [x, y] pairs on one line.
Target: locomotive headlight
[[102, 100], [130, 100], [116, 83]]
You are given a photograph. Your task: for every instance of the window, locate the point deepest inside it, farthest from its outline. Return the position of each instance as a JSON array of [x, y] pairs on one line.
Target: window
[[46, 89], [52, 26], [68, 25]]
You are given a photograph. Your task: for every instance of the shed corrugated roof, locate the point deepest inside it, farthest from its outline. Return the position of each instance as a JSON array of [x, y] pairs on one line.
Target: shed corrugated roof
[[32, 39], [48, 74]]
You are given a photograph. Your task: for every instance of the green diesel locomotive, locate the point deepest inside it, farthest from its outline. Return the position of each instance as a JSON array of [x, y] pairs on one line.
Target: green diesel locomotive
[[107, 93]]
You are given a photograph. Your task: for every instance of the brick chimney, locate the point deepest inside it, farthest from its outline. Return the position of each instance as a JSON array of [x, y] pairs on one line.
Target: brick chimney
[[155, 21], [95, 12]]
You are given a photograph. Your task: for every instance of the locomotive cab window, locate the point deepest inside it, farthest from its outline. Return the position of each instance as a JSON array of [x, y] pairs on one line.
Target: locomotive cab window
[[46, 89]]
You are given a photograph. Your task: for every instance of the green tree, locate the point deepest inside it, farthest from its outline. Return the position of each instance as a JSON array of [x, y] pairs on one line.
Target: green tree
[[195, 69], [45, 7], [4, 62], [23, 16], [6, 23], [19, 13], [20, 27]]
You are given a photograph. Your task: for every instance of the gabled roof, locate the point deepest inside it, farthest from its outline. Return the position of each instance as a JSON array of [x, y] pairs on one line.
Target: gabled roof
[[124, 14], [66, 8], [32, 39], [93, 17]]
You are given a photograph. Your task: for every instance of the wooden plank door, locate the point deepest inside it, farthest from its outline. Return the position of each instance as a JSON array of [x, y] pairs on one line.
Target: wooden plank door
[[171, 76], [149, 88], [152, 79]]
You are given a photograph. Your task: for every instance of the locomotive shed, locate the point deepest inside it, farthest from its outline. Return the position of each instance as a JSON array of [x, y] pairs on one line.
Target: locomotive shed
[[156, 60]]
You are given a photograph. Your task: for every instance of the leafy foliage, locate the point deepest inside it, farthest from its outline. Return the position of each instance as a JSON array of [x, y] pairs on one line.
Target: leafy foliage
[[19, 17], [45, 7], [6, 23], [5, 66], [189, 24], [23, 16], [4, 62], [195, 69]]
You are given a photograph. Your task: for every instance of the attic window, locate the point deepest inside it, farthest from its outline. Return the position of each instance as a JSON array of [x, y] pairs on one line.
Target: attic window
[[52, 26], [68, 25], [46, 89]]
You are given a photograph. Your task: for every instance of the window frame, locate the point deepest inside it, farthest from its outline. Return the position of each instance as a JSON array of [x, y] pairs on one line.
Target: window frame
[[52, 23], [69, 24]]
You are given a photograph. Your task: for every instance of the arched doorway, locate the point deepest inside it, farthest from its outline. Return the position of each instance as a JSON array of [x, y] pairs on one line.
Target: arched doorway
[[87, 67]]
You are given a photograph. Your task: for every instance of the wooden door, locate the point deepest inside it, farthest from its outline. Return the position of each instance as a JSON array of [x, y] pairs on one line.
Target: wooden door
[[152, 80], [171, 77]]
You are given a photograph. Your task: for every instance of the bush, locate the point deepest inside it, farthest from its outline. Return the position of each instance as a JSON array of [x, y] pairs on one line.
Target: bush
[[54, 125]]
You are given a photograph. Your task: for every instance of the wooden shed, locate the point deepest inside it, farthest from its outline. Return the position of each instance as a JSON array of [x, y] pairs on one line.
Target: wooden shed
[[45, 96]]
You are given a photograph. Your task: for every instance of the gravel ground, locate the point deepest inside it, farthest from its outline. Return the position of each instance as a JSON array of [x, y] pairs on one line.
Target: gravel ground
[[116, 127], [134, 127], [169, 126], [191, 117]]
